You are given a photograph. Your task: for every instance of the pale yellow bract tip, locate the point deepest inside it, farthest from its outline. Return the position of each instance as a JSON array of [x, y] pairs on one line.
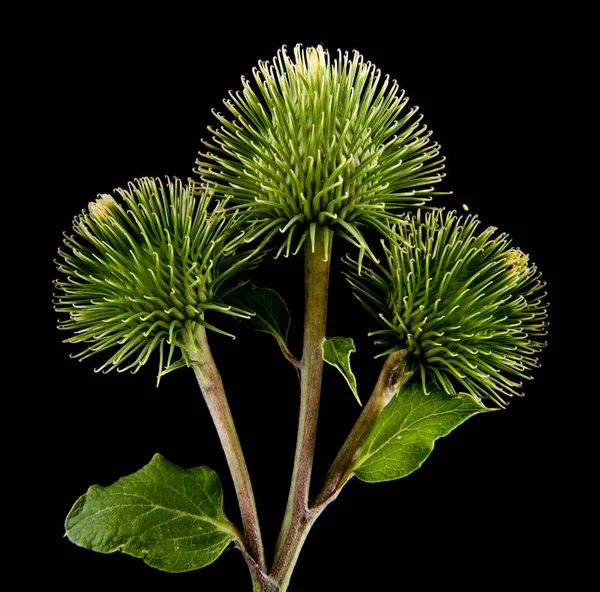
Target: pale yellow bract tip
[[100, 209]]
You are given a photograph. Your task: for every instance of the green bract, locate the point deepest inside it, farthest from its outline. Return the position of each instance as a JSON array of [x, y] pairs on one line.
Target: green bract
[[467, 306], [142, 271], [322, 142]]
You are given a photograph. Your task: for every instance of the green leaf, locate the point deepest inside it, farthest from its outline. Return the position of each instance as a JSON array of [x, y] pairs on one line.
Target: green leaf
[[336, 351], [271, 314], [170, 517], [404, 434]]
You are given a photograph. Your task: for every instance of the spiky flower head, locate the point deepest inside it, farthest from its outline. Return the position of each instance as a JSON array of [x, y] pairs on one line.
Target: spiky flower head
[[467, 306], [143, 267], [320, 141]]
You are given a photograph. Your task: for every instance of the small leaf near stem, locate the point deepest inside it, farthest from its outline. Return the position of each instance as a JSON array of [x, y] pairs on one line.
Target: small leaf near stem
[[211, 385], [336, 351], [271, 314]]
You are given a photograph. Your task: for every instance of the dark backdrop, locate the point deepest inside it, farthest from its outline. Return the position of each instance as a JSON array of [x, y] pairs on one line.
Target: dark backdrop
[[114, 99]]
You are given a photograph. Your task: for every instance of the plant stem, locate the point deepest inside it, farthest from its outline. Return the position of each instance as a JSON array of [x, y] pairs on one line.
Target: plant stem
[[211, 384], [386, 387], [297, 519]]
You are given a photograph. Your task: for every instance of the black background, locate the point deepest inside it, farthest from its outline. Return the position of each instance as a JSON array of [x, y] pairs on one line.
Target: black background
[[109, 99]]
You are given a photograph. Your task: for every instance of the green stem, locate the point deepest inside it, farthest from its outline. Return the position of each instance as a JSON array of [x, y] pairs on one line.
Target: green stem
[[386, 387], [298, 519], [211, 384]]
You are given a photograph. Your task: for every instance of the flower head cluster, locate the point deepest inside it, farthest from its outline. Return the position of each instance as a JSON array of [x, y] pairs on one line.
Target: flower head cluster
[[142, 270], [320, 141], [467, 306]]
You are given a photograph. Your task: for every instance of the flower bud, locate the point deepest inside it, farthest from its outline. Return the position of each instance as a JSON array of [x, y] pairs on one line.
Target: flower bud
[[469, 308], [141, 272], [320, 141]]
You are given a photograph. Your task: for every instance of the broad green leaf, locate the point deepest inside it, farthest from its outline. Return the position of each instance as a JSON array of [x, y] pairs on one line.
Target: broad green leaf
[[271, 314], [404, 434], [336, 351], [170, 517]]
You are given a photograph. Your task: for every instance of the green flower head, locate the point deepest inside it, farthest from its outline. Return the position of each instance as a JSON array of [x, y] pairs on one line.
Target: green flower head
[[320, 141], [467, 306], [141, 270]]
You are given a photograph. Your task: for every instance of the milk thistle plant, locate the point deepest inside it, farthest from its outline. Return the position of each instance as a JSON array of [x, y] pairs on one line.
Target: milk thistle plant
[[315, 146]]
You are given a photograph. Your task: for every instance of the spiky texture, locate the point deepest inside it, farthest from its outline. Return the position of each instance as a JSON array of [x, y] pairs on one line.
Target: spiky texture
[[467, 306], [141, 270], [323, 142]]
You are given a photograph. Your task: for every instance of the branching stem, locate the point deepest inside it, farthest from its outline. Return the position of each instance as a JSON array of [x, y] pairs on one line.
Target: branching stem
[[303, 516], [300, 514]]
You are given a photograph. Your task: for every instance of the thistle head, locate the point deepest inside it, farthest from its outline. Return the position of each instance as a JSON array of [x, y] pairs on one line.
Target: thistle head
[[467, 306], [141, 269], [320, 141]]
